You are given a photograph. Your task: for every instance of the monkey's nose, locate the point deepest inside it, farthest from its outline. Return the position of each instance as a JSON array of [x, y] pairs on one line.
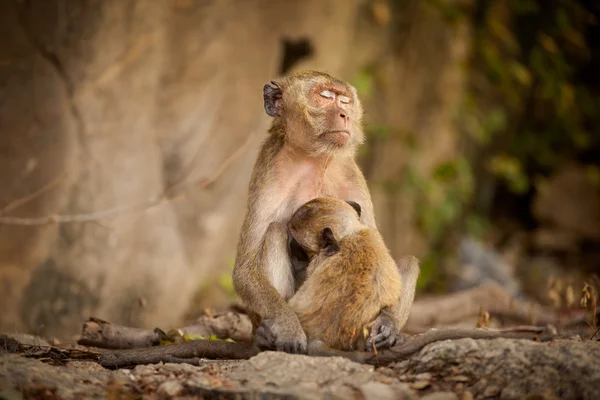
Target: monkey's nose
[[344, 116]]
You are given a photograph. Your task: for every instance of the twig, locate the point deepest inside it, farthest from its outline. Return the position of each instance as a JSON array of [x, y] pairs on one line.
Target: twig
[[414, 345], [375, 352], [129, 209], [595, 333], [529, 329], [11, 345], [16, 203], [189, 352]]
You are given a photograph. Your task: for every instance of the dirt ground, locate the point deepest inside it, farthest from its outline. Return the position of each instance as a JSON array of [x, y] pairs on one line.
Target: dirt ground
[[457, 369]]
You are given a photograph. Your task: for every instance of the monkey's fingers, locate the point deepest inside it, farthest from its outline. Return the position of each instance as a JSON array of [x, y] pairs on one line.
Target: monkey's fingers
[[384, 338], [293, 347], [301, 348], [265, 339]]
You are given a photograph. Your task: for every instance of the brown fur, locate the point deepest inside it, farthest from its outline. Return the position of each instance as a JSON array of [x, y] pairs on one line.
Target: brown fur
[[345, 292], [298, 161]]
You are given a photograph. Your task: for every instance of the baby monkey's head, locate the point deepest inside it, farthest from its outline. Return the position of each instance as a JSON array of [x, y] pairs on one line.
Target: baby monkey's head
[[322, 222]]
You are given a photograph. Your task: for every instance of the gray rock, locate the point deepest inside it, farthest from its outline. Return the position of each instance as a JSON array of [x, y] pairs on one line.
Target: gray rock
[[440, 396], [170, 388], [476, 369]]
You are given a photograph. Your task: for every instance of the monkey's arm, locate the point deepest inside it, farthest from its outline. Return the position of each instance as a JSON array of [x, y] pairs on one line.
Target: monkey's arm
[[359, 192], [392, 319], [265, 282]]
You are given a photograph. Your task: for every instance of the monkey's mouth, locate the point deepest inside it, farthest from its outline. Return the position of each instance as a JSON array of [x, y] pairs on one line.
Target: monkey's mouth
[[339, 136]]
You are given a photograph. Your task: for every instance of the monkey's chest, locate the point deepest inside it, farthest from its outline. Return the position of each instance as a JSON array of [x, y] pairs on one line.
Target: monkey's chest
[[297, 190]]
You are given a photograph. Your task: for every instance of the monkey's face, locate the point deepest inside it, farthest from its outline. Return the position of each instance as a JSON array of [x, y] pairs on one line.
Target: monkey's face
[[308, 222], [321, 113]]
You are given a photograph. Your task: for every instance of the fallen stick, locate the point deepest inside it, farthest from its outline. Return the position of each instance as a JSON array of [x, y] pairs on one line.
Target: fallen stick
[[188, 353], [193, 352], [102, 334], [398, 353], [99, 333], [12, 345], [457, 307]]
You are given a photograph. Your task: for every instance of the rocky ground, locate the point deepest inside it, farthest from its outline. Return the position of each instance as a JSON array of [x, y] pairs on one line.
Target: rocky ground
[[457, 369]]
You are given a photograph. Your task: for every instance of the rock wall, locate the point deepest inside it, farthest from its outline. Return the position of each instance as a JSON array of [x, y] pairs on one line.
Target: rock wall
[[108, 105]]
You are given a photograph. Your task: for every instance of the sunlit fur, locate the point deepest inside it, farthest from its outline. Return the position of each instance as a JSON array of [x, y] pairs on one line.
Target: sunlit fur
[[295, 164], [343, 293], [302, 113]]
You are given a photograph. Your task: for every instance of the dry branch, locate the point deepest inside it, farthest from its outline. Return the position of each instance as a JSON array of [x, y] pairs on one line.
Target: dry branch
[[18, 202], [189, 353], [193, 352], [460, 306], [11, 345], [414, 345], [99, 333]]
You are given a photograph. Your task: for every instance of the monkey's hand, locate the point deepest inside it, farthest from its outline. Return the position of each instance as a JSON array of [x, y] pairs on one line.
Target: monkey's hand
[[383, 333], [282, 334]]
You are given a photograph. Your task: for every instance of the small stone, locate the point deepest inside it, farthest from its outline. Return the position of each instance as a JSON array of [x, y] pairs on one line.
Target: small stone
[[466, 396], [458, 378], [376, 390], [491, 391], [142, 370], [199, 381], [170, 388], [440, 396], [420, 385], [425, 376]]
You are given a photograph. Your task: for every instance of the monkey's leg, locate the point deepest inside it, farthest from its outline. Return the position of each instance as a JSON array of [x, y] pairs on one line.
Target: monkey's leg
[[280, 329], [385, 331]]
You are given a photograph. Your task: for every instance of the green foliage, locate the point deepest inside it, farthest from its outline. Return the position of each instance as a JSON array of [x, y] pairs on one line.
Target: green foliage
[[377, 131], [178, 336], [450, 11], [525, 7], [477, 226], [532, 82], [481, 127], [510, 170], [441, 196], [364, 82], [225, 279], [427, 273]]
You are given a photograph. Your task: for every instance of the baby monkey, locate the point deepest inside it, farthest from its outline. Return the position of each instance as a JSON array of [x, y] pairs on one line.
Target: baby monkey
[[351, 276]]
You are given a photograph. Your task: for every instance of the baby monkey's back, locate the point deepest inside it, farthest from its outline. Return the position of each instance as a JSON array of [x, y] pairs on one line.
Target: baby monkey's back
[[351, 275]]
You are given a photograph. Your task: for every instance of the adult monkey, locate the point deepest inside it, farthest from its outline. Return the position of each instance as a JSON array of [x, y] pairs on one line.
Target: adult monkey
[[309, 153]]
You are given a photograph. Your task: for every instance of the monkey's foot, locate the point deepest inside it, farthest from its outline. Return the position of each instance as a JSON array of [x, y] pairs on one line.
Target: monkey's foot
[[383, 334], [281, 336]]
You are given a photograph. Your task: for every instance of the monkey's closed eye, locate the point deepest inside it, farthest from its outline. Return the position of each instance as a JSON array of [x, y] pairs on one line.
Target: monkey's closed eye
[[344, 99], [328, 93]]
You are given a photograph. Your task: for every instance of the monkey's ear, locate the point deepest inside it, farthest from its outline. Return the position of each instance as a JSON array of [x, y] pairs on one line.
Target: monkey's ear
[[272, 97], [356, 206], [328, 242]]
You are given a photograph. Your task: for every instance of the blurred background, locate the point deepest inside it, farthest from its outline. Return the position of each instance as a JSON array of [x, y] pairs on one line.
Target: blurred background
[[128, 131]]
